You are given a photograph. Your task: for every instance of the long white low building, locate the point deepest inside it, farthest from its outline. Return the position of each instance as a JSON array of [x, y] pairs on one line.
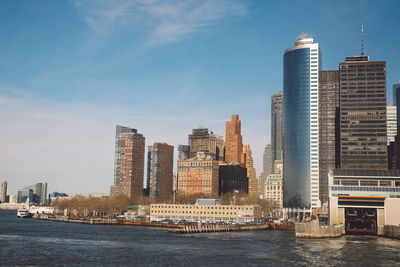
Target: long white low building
[[206, 211]]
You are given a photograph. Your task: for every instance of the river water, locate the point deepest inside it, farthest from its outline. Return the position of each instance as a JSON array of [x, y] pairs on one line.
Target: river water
[[43, 243]]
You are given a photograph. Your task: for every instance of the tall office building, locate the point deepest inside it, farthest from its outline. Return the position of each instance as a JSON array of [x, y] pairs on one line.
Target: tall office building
[[204, 141], [363, 142], [391, 123], [129, 163], [199, 174], [183, 152], [328, 107], [301, 65], [247, 160], [267, 160], [160, 158], [234, 140], [3, 191], [396, 99], [276, 127]]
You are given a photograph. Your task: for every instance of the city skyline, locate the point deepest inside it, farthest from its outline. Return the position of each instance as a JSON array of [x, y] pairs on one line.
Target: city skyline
[[64, 87]]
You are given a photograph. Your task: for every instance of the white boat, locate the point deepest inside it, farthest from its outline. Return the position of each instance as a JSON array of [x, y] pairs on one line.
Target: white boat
[[23, 213]]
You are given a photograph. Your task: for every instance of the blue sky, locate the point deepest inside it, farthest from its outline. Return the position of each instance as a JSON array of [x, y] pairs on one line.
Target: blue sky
[[71, 70]]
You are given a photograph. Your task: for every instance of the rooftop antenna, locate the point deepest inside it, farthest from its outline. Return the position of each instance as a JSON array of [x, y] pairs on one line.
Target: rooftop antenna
[[362, 39]]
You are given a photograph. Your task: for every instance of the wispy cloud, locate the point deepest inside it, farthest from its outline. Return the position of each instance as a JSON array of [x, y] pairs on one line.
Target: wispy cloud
[[163, 21]]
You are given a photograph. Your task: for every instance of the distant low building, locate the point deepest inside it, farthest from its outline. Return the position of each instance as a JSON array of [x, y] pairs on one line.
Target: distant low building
[[39, 193], [13, 199], [24, 195]]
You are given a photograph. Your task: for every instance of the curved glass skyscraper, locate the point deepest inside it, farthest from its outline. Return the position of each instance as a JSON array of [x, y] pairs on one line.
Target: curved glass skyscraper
[[301, 65]]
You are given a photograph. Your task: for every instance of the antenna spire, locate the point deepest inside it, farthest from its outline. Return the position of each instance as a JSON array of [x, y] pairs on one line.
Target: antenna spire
[[362, 39]]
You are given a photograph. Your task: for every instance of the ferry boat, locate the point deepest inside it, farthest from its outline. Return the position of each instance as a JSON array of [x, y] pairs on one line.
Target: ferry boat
[[23, 213]]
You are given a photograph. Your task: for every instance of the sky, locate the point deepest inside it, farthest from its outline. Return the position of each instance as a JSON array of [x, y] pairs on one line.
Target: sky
[[71, 70]]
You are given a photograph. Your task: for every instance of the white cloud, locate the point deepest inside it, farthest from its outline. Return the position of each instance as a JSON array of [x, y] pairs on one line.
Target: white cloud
[[164, 21]]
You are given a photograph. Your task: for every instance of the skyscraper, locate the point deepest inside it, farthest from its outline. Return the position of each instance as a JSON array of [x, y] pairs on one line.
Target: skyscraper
[[301, 65], [183, 152], [129, 163], [234, 140], [396, 99], [247, 160], [328, 106], [160, 159], [267, 160], [276, 127], [3, 191], [363, 142], [204, 141], [391, 124]]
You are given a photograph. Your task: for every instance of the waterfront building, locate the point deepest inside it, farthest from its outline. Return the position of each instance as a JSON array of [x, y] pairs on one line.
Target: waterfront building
[[205, 141], [232, 177], [396, 99], [301, 65], [267, 159], [234, 140], [198, 175], [391, 123], [276, 127], [183, 152], [24, 194], [129, 163], [3, 191], [160, 158], [328, 107], [205, 212], [273, 189], [39, 193], [363, 138], [364, 200], [247, 160]]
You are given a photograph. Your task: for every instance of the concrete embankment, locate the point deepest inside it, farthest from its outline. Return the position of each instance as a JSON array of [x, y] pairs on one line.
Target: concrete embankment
[[391, 231], [312, 229]]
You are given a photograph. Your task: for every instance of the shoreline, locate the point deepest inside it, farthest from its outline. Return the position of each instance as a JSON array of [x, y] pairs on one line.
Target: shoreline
[[175, 228]]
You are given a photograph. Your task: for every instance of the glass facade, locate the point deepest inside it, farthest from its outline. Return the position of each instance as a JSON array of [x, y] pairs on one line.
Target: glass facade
[[300, 125]]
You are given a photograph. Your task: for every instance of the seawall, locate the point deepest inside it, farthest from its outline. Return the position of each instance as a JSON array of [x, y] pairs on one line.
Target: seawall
[[312, 229], [391, 231]]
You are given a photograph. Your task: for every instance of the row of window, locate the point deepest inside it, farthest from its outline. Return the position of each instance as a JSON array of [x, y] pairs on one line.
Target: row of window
[[368, 189], [202, 207], [196, 212]]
